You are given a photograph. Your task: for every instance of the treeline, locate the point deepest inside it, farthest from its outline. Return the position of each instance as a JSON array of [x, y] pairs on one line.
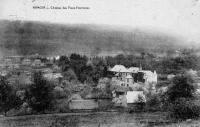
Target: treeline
[[92, 69], [163, 65], [26, 38], [85, 70]]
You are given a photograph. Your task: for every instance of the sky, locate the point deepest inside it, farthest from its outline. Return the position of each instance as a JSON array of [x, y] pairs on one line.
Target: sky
[[177, 17]]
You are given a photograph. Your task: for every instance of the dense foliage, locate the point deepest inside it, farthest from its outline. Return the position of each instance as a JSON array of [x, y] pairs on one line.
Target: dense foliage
[[90, 78], [8, 98], [91, 69], [184, 108], [85, 70], [40, 93], [181, 87], [181, 98]]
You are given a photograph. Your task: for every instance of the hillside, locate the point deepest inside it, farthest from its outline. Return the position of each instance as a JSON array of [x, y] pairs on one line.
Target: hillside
[[23, 38]]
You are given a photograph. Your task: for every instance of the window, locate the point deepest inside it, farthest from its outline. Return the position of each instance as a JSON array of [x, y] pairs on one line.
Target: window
[[127, 80]]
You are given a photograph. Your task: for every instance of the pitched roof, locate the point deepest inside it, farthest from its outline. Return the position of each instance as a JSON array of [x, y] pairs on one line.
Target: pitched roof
[[146, 72], [133, 69], [121, 68], [75, 97], [118, 68]]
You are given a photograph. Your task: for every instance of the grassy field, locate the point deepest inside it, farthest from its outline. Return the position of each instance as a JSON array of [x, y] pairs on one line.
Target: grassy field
[[101, 119]]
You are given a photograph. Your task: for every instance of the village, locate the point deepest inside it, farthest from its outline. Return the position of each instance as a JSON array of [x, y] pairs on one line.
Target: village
[[99, 63], [77, 83], [129, 84]]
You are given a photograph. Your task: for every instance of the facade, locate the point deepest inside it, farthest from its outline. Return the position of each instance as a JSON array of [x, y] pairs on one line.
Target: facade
[[149, 76], [128, 76], [135, 97], [123, 76], [123, 97], [129, 80]]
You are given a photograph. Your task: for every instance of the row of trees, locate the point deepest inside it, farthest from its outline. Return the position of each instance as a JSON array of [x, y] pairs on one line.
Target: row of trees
[[92, 69]]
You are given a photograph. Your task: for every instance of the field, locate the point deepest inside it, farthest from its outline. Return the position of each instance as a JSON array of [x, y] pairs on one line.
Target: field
[[100, 119]]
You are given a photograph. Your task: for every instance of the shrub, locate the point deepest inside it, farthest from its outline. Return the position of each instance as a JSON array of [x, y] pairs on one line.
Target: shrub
[[184, 108], [153, 102], [70, 75], [61, 105], [59, 93]]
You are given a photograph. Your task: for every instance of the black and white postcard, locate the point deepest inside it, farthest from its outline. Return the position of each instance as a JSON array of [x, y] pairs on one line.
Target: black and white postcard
[[99, 63]]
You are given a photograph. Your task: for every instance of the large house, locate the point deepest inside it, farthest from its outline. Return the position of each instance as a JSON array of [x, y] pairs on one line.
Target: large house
[[128, 76]]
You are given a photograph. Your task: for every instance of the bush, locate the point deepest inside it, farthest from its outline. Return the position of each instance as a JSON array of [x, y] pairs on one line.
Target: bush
[[70, 75], [61, 105], [184, 108], [153, 102], [59, 93]]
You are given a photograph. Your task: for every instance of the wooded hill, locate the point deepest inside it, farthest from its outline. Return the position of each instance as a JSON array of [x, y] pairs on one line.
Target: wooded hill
[[25, 37]]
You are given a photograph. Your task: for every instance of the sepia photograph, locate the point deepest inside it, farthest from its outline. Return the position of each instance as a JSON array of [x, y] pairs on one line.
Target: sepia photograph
[[99, 63]]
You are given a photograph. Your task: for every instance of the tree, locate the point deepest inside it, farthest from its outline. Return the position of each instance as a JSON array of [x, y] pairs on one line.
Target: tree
[[86, 74], [40, 93], [181, 100], [8, 98], [182, 87], [64, 63], [78, 63], [184, 108], [70, 75]]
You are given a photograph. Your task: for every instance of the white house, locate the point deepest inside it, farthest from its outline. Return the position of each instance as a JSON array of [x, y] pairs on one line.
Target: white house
[[135, 96], [128, 76], [149, 76], [129, 97]]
